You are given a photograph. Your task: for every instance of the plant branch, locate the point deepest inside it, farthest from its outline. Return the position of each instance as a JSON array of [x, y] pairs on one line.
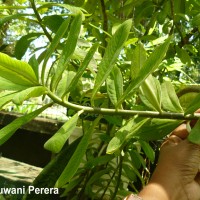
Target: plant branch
[[40, 20], [128, 113]]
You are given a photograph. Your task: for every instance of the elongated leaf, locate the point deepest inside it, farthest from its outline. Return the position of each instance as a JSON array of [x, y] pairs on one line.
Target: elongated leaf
[[151, 90], [155, 129], [194, 135], [7, 131], [77, 157], [150, 65], [194, 105], [139, 57], [56, 40], [123, 134], [115, 85], [149, 152], [23, 44], [81, 70], [4, 99], [28, 93], [68, 50], [57, 141], [170, 101], [16, 71], [8, 85], [111, 54], [49, 175]]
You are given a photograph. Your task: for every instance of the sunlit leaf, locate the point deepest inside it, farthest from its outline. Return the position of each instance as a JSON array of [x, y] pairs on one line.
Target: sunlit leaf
[[139, 57], [7, 131], [77, 157], [6, 98], [28, 93], [68, 50], [8, 85], [57, 141], [149, 66], [151, 90], [111, 54], [82, 68], [56, 40], [193, 106], [115, 85], [194, 135], [170, 100], [16, 71]]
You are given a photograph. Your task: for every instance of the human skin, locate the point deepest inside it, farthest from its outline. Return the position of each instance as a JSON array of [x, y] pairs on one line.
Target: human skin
[[177, 175]]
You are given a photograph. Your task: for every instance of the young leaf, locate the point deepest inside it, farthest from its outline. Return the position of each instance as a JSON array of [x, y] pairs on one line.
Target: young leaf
[[57, 141], [194, 135], [16, 71], [28, 93], [81, 70], [151, 90], [68, 50], [193, 106], [170, 101], [115, 85], [150, 65], [56, 40], [7, 131], [111, 54], [77, 157], [23, 44]]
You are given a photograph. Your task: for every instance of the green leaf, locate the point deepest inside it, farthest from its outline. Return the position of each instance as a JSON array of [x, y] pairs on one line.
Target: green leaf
[[33, 62], [81, 70], [77, 157], [193, 106], [139, 57], [56, 40], [149, 152], [150, 65], [155, 129], [194, 135], [115, 85], [151, 90], [57, 141], [8, 85], [53, 22], [68, 50], [51, 172], [123, 134], [28, 93], [7, 131], [24, 43], [16, 71], [170, 101], [111, 54], [6, 97]]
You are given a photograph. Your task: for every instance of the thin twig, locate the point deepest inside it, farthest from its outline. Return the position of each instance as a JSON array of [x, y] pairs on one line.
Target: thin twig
[[128, 113]]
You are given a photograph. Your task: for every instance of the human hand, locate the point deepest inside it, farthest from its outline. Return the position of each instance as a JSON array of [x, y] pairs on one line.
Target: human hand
[[177, 175]]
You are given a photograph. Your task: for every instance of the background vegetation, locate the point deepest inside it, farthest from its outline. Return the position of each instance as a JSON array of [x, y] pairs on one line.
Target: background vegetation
[[126, 71]]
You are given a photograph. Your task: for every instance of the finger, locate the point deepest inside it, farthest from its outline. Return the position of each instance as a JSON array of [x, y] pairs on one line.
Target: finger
[[171, 140], [180, 131]]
